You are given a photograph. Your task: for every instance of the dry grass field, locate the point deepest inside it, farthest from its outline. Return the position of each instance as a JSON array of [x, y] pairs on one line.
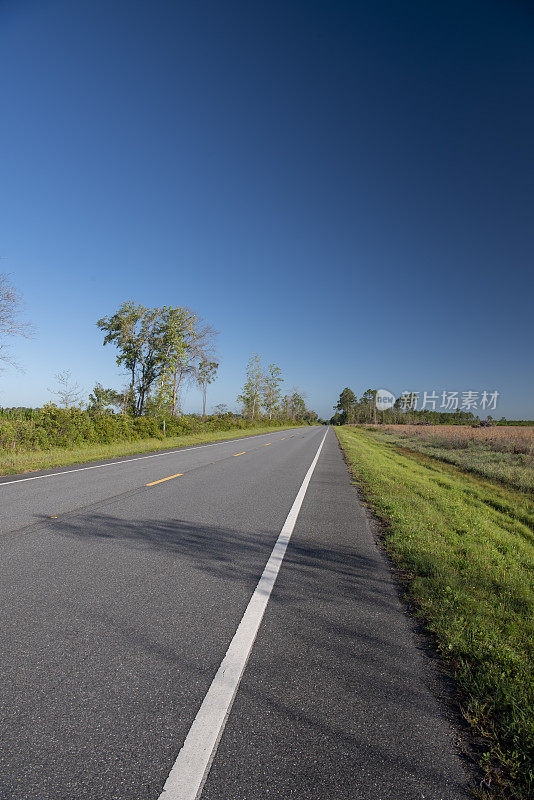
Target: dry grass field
[[502, 453], [501, 438]]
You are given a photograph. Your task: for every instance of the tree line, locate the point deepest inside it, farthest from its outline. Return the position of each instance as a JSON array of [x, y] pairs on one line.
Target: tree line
[[353, 410], [163, 349], [261, 395]]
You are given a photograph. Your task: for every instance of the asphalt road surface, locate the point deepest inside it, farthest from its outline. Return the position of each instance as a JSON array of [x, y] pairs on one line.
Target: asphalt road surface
[[130, 597]]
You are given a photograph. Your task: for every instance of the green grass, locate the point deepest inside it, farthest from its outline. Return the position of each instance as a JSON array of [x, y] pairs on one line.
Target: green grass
[[466, 548], [514, 469], [63, 456]]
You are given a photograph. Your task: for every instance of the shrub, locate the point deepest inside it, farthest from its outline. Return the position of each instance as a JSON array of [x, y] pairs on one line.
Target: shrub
[[50, 426]]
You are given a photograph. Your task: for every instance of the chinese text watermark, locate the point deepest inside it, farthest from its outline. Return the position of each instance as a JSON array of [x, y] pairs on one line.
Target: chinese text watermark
[[469, 400]]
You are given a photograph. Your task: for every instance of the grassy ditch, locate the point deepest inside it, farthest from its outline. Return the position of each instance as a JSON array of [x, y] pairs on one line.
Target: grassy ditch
[[502, 453], [11, 463], [466, 547]]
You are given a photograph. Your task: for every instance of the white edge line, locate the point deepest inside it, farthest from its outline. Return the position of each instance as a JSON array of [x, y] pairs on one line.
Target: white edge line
[[191, 768], [184, 448]]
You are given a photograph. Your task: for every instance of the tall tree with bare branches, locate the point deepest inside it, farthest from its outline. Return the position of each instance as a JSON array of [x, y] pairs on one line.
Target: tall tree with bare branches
[[197, 345], [67, 391], [250, 397], [205, 373], [10, 322]]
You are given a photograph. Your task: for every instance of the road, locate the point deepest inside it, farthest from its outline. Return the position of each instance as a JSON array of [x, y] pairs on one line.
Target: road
[[124, 586]]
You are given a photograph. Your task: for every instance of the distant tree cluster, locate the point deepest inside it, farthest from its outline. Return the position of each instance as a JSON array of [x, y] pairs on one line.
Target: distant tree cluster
[[261, 395], [351, 410]]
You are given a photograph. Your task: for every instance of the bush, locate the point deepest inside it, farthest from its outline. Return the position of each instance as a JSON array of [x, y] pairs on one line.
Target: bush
[[44, 428]]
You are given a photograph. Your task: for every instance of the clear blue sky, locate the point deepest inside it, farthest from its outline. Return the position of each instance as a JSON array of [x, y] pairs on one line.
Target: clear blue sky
[[344, 187]]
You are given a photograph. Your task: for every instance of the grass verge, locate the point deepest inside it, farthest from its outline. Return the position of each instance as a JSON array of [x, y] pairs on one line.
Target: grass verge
[[35, 460], [515, 469], [466, 548]]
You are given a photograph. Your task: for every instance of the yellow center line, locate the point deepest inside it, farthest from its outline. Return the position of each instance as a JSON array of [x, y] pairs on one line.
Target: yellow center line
[[178, 475], [267, 444], [282, 439], [240, 454]]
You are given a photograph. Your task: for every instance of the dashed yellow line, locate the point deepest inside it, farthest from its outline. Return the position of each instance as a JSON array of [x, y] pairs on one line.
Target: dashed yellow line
[[178, 475], [282, 439]]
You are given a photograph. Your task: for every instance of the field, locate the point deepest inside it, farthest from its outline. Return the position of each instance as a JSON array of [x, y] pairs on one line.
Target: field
[[502, 453], [465, 548]]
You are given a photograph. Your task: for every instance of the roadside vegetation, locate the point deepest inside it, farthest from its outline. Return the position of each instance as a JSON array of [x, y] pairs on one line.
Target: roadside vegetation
[[12, 461], [502, 453], [465, 547], [163, 351]]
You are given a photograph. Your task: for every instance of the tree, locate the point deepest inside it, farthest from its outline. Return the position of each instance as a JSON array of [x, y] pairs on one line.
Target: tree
[[67, 392], [10, 323], [293, 406], [142, 337], [251, 393], [206, 372], [369, 399], [336, 419], [297, 406], [127, 330], [285, 406], [198, 343], [271, 391], [101, 399], [346, 404], [159, 347], [176, 324]]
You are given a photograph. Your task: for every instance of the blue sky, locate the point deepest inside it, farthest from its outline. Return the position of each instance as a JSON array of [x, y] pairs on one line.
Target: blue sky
[[344, 187]]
